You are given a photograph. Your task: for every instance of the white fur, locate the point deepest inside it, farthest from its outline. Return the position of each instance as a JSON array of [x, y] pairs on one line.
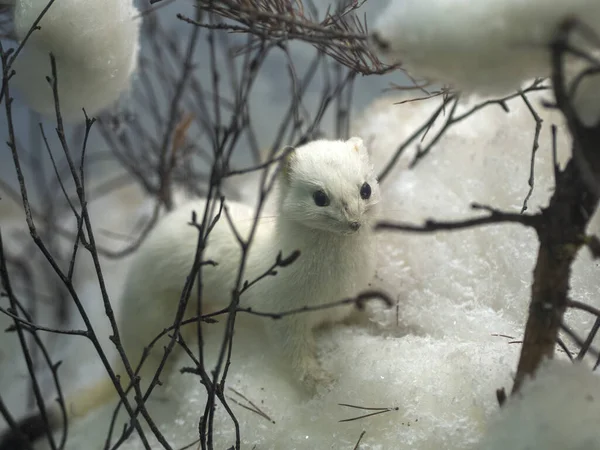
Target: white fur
[[558, 409], [334, 263], [487, 47], [96, 47]]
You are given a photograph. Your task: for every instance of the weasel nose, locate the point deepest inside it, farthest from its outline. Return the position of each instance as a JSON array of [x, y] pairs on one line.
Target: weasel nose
[[354, 226], [382, 44]]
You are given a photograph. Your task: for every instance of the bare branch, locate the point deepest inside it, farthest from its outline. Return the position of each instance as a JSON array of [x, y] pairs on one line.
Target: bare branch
[[564, 222], [494, 217], [341, 35]]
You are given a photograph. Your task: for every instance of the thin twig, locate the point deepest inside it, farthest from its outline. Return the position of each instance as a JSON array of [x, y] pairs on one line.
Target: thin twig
[[494, 217]]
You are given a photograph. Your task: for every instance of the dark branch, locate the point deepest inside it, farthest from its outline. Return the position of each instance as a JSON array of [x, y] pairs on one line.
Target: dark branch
[[494, 217]]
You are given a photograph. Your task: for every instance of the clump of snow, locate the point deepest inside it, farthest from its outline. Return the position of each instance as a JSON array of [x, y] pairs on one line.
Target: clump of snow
[[96, 48], [487, 48], [558, 409], [434, 362]]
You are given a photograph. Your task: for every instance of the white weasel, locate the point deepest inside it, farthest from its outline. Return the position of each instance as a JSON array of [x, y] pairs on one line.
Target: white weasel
[[328, 199], [95, 43], [486, 47], [328, 203], [558, 409]]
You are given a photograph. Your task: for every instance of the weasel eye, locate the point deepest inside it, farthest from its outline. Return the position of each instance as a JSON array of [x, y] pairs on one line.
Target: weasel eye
[[365, 191], [320, 198]]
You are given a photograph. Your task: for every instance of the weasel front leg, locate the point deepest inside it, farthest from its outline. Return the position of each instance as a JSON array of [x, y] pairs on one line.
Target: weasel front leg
[[295, 335]]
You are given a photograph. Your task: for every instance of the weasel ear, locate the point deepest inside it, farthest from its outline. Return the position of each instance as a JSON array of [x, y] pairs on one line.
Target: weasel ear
[[358, 146], [289, 153]]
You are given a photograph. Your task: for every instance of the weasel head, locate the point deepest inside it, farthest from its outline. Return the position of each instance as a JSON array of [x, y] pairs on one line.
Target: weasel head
[[330, 186]]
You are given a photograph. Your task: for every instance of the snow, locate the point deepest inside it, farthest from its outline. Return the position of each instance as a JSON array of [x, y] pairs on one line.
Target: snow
[[434, 361], [487, 48], [96, 49], [559, 409]]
